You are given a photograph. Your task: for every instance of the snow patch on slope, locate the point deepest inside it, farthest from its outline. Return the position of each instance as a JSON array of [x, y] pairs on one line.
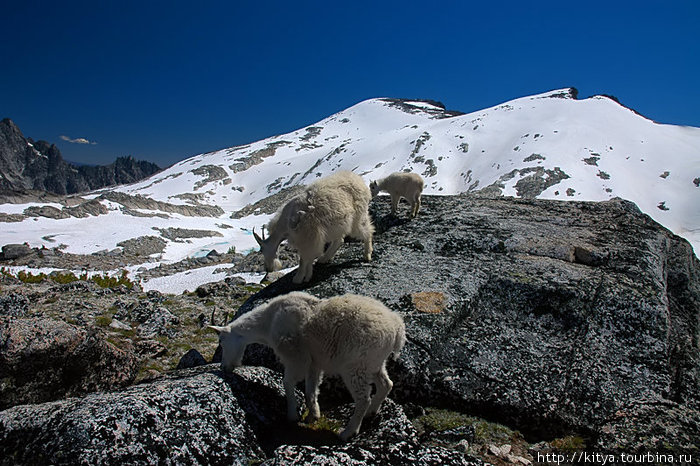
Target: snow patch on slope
[[549, 146]]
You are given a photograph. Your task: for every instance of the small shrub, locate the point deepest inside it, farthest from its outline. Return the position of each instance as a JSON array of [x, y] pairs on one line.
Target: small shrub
[[28, 277], [105, 281], [63, 278]]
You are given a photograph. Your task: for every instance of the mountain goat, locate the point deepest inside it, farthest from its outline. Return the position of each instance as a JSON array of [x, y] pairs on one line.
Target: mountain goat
[[398, 185], [316, 222], [350, 335]]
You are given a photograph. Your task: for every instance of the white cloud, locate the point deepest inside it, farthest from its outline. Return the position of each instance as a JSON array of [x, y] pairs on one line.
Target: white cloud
[[77, 140]]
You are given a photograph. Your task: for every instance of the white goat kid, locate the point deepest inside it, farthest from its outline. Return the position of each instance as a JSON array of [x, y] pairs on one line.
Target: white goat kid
[[350, 335], [323, 215], [398, 185]]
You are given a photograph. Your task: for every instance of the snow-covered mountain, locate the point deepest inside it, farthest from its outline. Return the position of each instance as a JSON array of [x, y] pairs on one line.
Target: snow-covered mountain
[[550, 146]]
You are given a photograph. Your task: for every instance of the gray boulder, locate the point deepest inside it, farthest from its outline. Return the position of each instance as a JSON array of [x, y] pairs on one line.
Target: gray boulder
[[192, 358], [15, 251], [200, 416], [45, 359], [14, 305], [180, 420], [550, 317]]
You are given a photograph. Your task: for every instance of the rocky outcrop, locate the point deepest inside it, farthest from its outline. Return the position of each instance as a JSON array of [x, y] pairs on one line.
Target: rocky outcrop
[[576, 320], [46, 359], [200, 416], [124, 170], [141, 202], [14, 251], [551, 317], [29, 165], [191, 420]]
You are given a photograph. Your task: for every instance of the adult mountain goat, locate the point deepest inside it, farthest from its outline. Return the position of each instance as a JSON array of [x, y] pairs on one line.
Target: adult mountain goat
[[350, 335], [398, 185], [316, 222]]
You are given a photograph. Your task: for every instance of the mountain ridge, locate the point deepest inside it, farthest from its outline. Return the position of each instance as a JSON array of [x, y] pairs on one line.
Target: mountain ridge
[[546, 146], [26, 164], [551, 145]]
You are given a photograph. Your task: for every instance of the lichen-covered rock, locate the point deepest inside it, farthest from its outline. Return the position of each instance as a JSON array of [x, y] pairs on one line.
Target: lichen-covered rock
[[231, 286], [160, 322], [647, 425], [547, 316], [186, 419], [201, 416], [46, 359], [14, 304], [387, 438], [153, 318]]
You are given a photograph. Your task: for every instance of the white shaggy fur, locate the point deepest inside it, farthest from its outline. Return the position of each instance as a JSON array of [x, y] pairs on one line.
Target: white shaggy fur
[[350, 335], [316, 222], [398, 185]]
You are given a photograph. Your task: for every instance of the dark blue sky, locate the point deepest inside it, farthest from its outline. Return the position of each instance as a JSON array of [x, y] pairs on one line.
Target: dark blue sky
[[163, 81]]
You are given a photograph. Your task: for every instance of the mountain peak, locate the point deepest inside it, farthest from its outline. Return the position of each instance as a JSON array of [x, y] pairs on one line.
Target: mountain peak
[[546, 146], [431, 107], [38, 165]]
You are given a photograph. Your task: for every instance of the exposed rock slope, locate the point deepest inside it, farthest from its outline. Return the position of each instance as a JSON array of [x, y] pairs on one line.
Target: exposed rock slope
[[555, 318], [201, 416], [549, 316]]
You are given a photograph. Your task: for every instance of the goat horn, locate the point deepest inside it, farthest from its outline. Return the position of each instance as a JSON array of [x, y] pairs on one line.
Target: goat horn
[[257, 238]]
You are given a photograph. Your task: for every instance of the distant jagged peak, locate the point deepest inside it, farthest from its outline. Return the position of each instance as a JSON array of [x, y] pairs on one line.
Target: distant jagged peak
[[9, 129], [9, 123]]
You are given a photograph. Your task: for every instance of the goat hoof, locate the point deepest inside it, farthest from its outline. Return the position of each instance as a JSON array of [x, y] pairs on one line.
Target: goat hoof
[[346, 434]]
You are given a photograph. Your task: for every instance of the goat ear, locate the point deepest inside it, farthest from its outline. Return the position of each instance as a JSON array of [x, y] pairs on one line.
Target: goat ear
[[258, 238], [218, 330]]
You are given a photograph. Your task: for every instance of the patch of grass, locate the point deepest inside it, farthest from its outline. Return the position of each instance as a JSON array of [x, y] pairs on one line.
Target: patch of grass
[[103, 321], [569, 444], [148, 367], [439, 420], [324, 424], [124, 333], [253, 288], [490, 432]]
